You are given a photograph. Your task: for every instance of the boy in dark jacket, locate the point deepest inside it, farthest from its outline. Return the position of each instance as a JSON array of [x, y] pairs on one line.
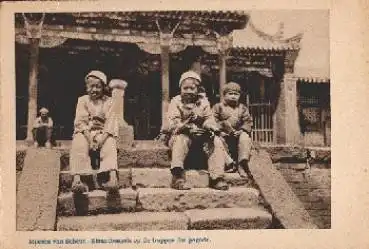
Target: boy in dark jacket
[[235, 122]]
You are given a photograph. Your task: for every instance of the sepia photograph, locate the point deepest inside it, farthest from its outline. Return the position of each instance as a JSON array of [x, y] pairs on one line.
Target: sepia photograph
[[173, 120]]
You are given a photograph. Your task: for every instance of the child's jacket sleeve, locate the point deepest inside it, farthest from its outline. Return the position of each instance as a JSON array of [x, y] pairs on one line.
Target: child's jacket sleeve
[[221, 118], [246, 120], [173, 118], [209, 120], [82, 116], [111, 125], [50, 123]]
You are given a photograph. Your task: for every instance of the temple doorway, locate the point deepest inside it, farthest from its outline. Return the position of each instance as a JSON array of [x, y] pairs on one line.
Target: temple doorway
[[61, 82]]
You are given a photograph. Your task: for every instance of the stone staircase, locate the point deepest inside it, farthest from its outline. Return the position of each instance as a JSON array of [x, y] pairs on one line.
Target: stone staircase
[[146, 201]]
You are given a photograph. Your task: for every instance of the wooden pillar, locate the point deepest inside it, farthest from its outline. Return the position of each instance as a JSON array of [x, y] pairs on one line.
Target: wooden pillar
[[222, 73], [224, 43], [165, 40], [32, 87]]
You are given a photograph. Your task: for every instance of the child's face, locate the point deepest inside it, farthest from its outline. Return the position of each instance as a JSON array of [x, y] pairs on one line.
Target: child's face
[[232, 97], [189, 90], [95, 88], [189, 86]]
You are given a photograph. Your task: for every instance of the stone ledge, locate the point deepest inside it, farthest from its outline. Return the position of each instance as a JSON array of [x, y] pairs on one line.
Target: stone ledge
[[210, 219], [285, 153], [229, 218], [159, 178], [153, 155], [151, 199], [96, 202], [66, 179], [143, 221]]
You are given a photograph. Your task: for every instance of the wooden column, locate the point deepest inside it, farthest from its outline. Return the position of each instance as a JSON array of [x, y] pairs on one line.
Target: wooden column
[[222, 73], [32, 87], [165, 40], [224, 43]]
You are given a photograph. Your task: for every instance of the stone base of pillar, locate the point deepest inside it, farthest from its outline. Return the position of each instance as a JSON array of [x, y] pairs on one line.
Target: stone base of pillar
[[28, 142], [126, 137]]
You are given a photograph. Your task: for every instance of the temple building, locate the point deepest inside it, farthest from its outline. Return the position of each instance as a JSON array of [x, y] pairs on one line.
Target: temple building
[[150, 50]]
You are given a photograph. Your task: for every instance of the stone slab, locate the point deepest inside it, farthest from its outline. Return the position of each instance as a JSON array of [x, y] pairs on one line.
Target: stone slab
[[158, 178], [66, 179], [285, 153], [284, 204], [234, 180], [166, 199], [96, 202], [197, 178], [161, 178], [148, 177], [155, 155], [126, 136], [229, 218], [143, 221], [144, 154], [38, 190]]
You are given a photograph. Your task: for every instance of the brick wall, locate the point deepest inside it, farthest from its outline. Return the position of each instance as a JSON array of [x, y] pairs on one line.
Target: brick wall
[[314, 189]]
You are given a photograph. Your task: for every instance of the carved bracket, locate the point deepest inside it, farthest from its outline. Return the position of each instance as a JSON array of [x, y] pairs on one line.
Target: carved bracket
[[289, 60], [224, 43], [33, 24]]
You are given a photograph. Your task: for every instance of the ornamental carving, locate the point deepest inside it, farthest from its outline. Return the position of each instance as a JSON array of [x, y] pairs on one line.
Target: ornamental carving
[[224, 43], [45, 41], [33, 24], [166, 39], [289, 60]]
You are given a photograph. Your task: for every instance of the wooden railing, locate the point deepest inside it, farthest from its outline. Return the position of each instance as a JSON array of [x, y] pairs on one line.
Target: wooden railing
[[262, 115]]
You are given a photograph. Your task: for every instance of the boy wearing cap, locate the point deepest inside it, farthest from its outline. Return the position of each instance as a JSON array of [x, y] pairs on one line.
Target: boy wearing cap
[[235, 123], [190, 120], [94, 149], [43, 129]]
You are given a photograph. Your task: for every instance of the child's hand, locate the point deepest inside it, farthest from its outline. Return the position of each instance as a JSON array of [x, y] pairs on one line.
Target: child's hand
[[94, 146], [236, 133], [197, 132], [223, 134]]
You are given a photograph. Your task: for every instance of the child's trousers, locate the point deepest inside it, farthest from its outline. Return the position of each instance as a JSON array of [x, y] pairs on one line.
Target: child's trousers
[[180, 145]]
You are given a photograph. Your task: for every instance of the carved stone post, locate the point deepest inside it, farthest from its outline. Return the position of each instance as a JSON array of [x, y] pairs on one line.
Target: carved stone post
[[125, 134], [224, 43], [288, 129]]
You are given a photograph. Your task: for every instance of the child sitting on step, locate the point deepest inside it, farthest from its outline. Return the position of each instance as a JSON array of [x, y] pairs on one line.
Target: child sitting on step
[[43, 129], [235, 123], [94, 150], [190, 121]]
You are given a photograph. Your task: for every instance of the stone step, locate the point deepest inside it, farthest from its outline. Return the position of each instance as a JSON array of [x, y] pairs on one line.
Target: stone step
[[144, 154], [229, 218], [221, 218], [152, 154], [158, 178], [158, 199]]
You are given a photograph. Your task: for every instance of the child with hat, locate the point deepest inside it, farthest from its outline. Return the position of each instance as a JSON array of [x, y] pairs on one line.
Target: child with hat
[[94, 149], [43, 129], [190, 121], [235, 122]]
